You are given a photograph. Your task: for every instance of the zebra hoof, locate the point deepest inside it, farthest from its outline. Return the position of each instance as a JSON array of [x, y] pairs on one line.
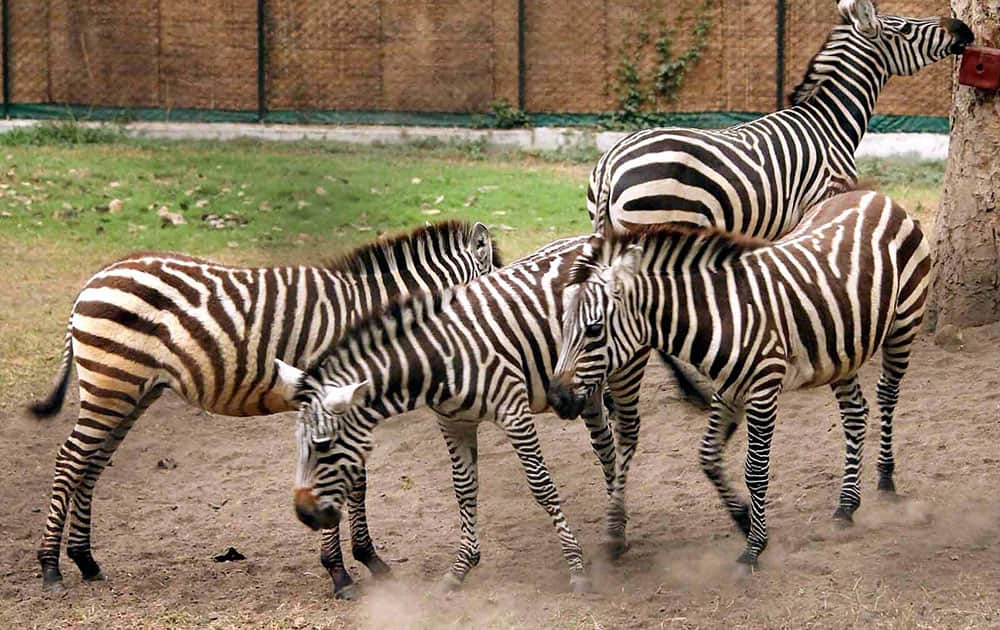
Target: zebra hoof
[[449, 583], [615, 548], [52, 581], [843, 518], [747, 563], [346, 593], [580, 584], [95, 577], [887, 488]]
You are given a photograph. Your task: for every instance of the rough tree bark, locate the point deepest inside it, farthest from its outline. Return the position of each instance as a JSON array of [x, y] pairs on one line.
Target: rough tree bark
[[966, 290]]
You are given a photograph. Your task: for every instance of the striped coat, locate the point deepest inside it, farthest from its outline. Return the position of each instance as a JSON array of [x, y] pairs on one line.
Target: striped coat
[[758, 319], [211, 333]]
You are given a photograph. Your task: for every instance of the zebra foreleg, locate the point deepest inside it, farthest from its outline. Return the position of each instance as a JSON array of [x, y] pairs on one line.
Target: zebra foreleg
[[624, 387], [362, 547], [854, 415], [520, 431], [601, 438], [463, 450], [332, 558], [722, 422], [761, 414]]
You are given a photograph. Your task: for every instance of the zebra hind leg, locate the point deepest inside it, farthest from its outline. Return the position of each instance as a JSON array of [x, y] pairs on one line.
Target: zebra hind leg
[[854, 416], [722, 423], [462, 441], [761, 413], [895, 360], [78, 545]]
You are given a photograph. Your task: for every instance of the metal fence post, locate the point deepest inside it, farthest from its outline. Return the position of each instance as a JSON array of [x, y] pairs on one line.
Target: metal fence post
[[261, 62], [5, 55], [521, 62], [779, 54]]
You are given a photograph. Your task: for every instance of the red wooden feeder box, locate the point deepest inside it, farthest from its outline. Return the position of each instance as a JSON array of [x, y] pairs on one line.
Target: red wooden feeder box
[[980, 68]]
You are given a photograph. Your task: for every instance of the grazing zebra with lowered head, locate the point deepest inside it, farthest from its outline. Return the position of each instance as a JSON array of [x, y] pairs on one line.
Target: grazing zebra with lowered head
[[757, 319], [480, 352], [211, 333], [758, 178]]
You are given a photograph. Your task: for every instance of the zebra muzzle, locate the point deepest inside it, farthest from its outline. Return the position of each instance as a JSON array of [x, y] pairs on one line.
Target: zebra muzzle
[[562, 399], [311, 514]]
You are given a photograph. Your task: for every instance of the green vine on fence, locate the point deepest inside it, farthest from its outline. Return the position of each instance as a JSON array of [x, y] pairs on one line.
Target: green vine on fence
[[636, 95]]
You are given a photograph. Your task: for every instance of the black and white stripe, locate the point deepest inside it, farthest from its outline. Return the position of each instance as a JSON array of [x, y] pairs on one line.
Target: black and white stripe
[[759, 178], [211, 333], [757, 319], [482, 352]]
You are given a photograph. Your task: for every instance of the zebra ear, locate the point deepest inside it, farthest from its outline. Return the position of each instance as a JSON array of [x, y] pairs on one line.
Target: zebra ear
[[483, 245], [289, 379], [624, 267], [339, 399], [863, 14]]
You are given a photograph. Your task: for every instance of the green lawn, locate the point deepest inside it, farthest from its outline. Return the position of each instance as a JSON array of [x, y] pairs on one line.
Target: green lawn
[[72, 200]]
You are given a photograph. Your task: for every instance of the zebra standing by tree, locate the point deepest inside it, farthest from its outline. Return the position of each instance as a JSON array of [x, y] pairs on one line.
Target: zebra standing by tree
[[758, 178], [757, 319], [481, 352], [211, 333]]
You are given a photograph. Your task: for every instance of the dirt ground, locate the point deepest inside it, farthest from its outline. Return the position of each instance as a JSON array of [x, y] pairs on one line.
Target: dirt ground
[[931, 560]]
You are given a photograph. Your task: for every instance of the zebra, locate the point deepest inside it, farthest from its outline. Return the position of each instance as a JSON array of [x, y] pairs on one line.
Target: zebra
[[757, 318], [210, 332], [480, 352], [758, 178]]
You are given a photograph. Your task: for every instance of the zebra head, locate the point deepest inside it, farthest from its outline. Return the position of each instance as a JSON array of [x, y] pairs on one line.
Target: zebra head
[[334, 437], [905, 45], [597, 338]]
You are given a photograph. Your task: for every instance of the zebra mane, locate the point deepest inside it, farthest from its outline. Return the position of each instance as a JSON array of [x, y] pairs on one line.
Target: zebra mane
[[711, 244], [384, 322], [370, 258], [819, 69]]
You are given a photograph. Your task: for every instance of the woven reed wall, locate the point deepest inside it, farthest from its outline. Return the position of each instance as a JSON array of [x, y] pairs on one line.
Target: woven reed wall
[[419, 55]]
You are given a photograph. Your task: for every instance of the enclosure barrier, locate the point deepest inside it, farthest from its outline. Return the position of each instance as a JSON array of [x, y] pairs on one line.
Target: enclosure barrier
[[704, 63]]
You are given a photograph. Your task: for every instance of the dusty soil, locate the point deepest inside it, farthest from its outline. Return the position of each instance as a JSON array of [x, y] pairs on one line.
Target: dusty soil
[[931, 560]]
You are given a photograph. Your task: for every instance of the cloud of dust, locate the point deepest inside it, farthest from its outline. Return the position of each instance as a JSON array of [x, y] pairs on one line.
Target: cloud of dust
[[401, 604]]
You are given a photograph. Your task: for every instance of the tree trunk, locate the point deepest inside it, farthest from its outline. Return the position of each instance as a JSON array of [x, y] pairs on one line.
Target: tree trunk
[[966, 291]]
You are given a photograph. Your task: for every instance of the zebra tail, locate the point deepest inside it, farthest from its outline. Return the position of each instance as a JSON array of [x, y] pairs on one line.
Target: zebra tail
[[692, 392], [53, 403]]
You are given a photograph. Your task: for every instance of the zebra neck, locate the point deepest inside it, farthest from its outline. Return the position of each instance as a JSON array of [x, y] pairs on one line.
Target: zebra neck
[[844, 95], [404, 352], [689, 307]]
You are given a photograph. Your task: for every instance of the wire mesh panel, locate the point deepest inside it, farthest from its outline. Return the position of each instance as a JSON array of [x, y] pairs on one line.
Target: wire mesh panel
[[566, 69], [103, 52], [433, 56], [208, 54], [323, 54], [437, 55], [29, 51]]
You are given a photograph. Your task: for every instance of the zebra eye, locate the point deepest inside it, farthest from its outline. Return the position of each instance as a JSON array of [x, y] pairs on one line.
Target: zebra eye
[[593, 330], [322, 444], [906, 28]]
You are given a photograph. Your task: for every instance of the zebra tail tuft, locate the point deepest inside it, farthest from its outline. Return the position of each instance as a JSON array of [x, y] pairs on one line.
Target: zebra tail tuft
[[53, 403]]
